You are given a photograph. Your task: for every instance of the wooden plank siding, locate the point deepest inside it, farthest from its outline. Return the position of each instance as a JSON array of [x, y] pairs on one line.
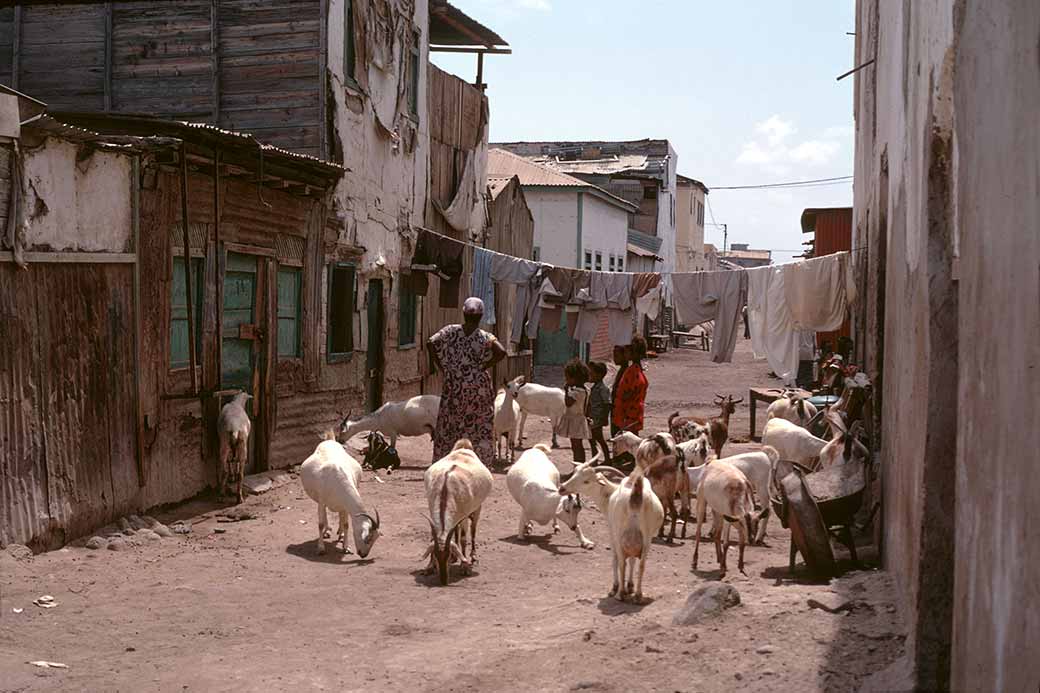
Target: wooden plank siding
[[159, 58]]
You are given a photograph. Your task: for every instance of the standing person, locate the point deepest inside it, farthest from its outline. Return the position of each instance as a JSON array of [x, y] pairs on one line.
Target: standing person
[[621, 361], [465, 354], [631, 391], [572, 424], [599, 408]]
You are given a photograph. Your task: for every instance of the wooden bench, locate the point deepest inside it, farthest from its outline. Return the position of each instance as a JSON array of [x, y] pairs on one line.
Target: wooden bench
[[767, 395], [681, 340], [659, 343]]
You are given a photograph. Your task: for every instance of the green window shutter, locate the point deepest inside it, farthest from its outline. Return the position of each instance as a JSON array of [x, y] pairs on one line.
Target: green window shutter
[[341, 309], [406, 305], [290, 281], [179, 355]]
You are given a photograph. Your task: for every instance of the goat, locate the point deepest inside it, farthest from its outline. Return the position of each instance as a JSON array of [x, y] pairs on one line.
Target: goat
[[757, 467], [413, 417], [689, 427], [726, 490], [792, 442], [233, 428], [845, 446], [665, 468], [793, 408], [625, 441], [540, 401], [633, 514], [456, 488], [534, 483], [507, 414], [379, 454], [330, 477]]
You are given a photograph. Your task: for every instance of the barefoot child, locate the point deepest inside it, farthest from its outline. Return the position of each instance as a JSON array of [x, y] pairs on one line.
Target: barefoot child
[[599, 408], [572, 424]]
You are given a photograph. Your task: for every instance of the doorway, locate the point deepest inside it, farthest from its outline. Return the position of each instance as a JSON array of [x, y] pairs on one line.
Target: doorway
[[242, 338], [375, 359]]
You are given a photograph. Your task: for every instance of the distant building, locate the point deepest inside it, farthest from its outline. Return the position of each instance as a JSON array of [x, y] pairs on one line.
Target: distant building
[[741, 255], [689, 232], [711, 257], [832, 233], [641, 172]]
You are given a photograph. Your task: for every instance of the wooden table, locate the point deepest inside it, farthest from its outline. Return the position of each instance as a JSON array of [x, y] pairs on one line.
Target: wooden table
[[767, 395], [679, 340], [659, 343]]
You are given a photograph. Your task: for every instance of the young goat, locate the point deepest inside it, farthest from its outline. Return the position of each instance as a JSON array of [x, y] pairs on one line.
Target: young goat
[[413, 417], [757, 467], [540, 401], [685, 428], [330, 477], [793, 408], [507, 416], [726, 490], [233, 428], [633, 515], [534, 483], [665, 468], [456, 488]]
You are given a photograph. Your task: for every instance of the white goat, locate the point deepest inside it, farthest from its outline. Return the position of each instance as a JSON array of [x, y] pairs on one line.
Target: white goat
[[757, 467], [634, 515], [233, 428], [413, 417], [330, 477], [725, 490], [534, 483], [540, 401], [793, 442], [507, 416], [625, 441], [793, 408], [456, 488], [844, 447]]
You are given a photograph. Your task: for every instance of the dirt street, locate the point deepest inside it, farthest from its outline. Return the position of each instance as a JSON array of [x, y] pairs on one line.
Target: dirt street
[[255, 608]]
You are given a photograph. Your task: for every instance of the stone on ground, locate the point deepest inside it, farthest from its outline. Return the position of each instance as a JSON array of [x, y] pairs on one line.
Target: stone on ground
[[96, 542], [19, 552], [118, 544], [707, 601]]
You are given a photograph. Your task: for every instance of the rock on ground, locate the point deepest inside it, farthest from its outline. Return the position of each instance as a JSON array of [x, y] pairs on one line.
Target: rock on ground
[[96, 543], [706, 601], [19, 552], [118, 544]]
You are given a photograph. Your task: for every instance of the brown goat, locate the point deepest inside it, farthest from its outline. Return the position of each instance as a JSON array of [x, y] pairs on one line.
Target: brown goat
[[684, 428], [665, 468]]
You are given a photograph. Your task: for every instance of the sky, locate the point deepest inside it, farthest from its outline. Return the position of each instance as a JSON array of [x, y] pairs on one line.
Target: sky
[[744, 91]]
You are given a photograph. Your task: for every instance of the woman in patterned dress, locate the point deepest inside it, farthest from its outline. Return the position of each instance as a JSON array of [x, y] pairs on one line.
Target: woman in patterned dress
[[631, 392], [465, 354]]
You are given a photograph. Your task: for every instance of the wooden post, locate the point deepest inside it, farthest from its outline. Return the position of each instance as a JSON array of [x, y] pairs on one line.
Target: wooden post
[[135, 197], [187, 268], [16, 46], [214, 42], [480, 71], [108, 57]]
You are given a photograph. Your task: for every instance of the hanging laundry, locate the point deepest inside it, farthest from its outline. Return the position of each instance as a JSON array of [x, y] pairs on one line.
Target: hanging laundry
[[481, 285], [815, 291], [459, 212], [513, 270], [773, 334], [620, 326], [718, 296], [649, 304], [443, 256]]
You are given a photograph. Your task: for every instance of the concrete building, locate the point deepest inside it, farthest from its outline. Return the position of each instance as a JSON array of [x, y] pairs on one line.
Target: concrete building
[[741, 255], [711, 257], [642, 172], [689, 232], [946, 215]]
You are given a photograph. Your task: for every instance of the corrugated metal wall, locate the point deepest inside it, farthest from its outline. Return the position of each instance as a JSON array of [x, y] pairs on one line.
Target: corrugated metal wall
[[67, 402], [833, 234]]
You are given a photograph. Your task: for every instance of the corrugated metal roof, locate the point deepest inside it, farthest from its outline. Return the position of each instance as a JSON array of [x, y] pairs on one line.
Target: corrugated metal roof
[[641, 252], [450, 26], [644, 240], [640, 158], [505, 164], [686, 180], [750, 254], [497, 185]]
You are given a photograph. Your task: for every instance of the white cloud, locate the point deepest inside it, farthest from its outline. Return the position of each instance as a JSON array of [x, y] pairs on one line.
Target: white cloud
[[773, 151]]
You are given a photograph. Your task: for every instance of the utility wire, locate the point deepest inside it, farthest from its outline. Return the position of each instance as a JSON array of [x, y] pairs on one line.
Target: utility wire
[[788, 184]]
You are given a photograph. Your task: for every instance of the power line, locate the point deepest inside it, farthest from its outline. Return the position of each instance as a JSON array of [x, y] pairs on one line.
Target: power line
[[789, 184]]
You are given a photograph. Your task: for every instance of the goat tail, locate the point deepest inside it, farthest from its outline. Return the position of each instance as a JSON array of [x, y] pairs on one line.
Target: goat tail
[[772, 453], [329, 435], [543, 447], [463, 444], [671, 419], [635, 501]]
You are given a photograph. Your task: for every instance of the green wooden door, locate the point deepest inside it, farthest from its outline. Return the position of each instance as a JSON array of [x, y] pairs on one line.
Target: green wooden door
[[375, 358], [237, 353], [555, 348]]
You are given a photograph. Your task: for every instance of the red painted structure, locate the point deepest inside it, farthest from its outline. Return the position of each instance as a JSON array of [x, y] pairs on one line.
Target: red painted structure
[[832, 229]]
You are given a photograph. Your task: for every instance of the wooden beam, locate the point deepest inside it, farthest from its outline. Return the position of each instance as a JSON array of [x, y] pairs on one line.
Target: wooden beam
[[135, 206], [192, 357], [16, 46], [465, 49], [108, 57], [214, 40], [73, 258], [323, 40], [443, 16]]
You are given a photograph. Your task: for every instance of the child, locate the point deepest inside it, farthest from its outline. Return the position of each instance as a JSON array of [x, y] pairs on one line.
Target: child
[[572, 424], [599, 408]]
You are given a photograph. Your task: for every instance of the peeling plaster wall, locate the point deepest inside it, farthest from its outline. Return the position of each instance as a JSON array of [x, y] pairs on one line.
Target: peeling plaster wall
[[76, 204], [946, 209], [667, 212], [381, 197]]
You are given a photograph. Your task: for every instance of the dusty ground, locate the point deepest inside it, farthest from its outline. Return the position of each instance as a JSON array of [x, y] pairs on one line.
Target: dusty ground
[[255, 608]]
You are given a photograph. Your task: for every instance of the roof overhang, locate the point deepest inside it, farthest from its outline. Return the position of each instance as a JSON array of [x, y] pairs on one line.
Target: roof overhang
[[634, 249], [453, 31], [810, 213]]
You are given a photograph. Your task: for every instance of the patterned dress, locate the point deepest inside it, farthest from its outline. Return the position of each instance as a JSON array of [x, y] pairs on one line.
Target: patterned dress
[[631, 399], [467, 396]]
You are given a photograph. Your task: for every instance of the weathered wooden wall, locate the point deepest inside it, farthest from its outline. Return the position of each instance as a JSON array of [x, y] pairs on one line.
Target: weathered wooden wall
[[158, 58]]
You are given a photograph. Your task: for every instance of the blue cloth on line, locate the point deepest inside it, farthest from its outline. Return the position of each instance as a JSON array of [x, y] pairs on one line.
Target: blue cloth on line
[[481, 285]]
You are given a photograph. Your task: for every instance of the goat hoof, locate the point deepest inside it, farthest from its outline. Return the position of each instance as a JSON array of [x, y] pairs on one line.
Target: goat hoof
[[588, 545], [321, 550], [346, 550], [326, 534]]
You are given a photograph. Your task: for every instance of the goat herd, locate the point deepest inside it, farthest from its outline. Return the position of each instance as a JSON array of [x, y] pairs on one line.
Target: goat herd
[[636, 505]]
